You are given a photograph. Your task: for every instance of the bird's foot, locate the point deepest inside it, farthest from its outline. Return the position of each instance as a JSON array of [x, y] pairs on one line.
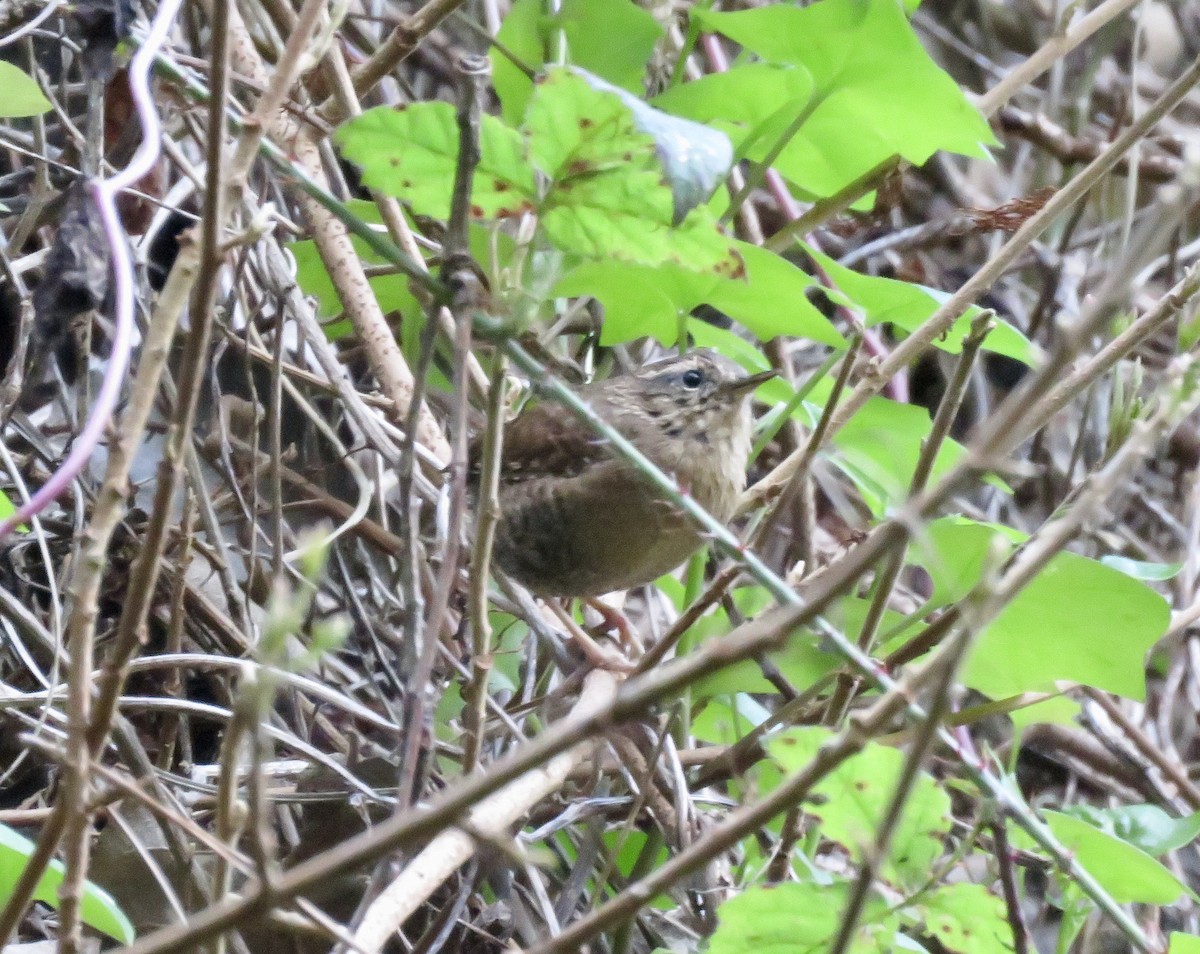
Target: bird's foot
[[615, 621], [604, 657]]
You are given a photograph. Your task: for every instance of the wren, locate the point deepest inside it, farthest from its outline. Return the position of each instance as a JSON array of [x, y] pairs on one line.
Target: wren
[[577, 519]]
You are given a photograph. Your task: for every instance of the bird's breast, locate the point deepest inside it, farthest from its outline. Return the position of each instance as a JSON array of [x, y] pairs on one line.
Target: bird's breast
[[711, 467]]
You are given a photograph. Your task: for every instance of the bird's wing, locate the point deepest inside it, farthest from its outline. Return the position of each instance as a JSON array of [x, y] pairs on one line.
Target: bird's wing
[[544, 440]]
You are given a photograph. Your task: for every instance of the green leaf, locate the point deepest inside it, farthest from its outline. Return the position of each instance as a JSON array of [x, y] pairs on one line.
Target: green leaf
[[695, 157], [967, 918], [723, 724], [1077, 621], [772, 300], [1141, 569], [741, 99], [590, 27], [876, 91], [98, 910], [6, 506], [578, 131], [391, 291], [1184, 944], [1076, 908], [638, 300], [507, 656], [22, 96], [449, 708], [410, 152], [1125, 872], [908, 306], [1147, 827], [797, 918], [626, 843], [595, 220], [753, 104], [879, 446], [1057, 710], [953, 551], [1189, 330], [854, 798], [645, 300], [607, 197], [522, 35], [802, 661]]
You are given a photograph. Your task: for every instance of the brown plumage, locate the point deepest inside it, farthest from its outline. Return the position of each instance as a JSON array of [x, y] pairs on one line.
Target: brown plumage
[[578, 520]]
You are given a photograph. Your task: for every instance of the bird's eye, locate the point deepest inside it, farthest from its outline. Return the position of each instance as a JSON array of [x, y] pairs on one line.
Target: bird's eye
[[692, 378]]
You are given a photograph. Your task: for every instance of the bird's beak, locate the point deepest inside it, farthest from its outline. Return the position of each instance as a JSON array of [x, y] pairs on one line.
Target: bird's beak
[[750, 382]]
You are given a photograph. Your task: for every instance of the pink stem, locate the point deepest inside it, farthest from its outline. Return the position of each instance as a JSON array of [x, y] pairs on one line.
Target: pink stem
[[104, 194]]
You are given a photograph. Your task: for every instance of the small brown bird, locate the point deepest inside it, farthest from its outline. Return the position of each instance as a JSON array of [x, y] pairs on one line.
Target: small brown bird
[[578, 520]]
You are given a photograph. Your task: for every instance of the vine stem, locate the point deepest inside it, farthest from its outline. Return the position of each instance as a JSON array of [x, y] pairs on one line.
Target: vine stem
[[104, 192]]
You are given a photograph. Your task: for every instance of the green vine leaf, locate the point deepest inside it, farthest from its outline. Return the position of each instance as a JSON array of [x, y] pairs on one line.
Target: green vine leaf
[[577, 131], [907, 306], [802, 918], [878, 448], [695, 157], [642, 300], [967, 919], [752, 103], [411, 152], [1146, 827], [1077, 621], [589, 28], [876, 92], [801, 661], [22, 96], [592, 226], [607, 197], [99, 910], [854, 797], [1125, 872]]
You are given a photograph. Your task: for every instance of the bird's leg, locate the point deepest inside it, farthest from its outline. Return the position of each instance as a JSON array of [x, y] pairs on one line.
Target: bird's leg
[[597, 654], [616, 621]]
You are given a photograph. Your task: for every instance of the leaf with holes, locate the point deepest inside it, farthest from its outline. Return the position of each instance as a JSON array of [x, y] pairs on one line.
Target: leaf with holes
[[608, 198], [411, 153], [695, 158], [799, 918], [966, 919], [852, 799]]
